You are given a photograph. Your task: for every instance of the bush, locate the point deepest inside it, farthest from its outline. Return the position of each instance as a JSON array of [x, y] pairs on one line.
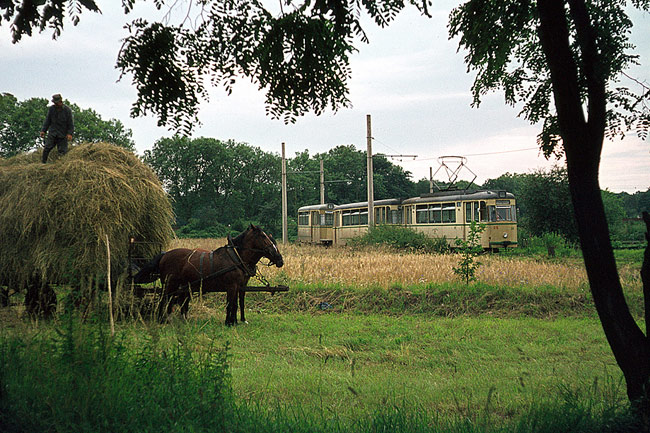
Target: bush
[[401, 238], [85, 380], [195, 228]]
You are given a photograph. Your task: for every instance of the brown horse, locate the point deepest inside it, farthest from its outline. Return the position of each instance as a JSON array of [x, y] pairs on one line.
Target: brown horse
[[226, 269]]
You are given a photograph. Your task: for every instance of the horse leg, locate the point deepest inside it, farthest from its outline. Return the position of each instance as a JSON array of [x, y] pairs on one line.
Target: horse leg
[[242, 295], [184, 298], [231, 306]]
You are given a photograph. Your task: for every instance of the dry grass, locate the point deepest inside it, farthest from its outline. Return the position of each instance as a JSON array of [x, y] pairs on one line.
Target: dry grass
[[55, 217], [338, 266]]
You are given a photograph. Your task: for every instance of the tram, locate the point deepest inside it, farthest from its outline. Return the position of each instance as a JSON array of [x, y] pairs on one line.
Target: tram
[[316, 224], [444, 214]]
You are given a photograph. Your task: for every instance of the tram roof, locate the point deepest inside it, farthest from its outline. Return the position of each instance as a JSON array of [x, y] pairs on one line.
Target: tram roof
[[384, 202], [326, 206], [455, 195]]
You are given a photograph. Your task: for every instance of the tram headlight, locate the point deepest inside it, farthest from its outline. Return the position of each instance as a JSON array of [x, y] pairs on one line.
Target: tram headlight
[[505, 235]]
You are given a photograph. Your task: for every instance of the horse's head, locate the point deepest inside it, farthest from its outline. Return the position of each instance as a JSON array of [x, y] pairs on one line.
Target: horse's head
[[255, 238]]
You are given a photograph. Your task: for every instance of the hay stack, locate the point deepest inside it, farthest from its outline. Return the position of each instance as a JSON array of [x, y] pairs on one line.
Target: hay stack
[[54, 217]]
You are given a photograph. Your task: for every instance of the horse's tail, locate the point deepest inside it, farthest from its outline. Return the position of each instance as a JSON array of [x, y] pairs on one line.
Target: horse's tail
[[149, 272]]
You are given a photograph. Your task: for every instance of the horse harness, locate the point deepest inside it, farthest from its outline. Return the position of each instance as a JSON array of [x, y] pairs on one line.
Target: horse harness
[[238, 263]]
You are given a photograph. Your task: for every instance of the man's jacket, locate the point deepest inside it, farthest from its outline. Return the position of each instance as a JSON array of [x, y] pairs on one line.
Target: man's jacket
[[59, 121]]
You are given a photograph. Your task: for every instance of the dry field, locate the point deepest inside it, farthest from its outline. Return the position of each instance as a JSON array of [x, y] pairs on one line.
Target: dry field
[[315, 265]]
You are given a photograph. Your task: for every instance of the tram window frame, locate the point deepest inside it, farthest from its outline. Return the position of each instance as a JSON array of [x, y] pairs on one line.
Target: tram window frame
[[421, 214], [303, 218], [346, 218], [483, 211], [315, 218], [409, 215], [449, 214], [435, 213], [503, 213], [363, 217], [395, 215], [328, 219], [472, 211]]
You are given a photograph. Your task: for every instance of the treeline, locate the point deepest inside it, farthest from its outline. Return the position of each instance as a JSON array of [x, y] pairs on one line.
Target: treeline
[[219, 187]]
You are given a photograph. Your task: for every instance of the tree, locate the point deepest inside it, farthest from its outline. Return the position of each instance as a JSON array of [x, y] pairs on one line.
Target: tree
[[21, 121], [547, 203], [217, 183], [562, 58]]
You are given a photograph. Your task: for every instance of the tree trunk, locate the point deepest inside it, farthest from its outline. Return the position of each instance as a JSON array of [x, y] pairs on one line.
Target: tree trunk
[[628, 343], [583, 140]]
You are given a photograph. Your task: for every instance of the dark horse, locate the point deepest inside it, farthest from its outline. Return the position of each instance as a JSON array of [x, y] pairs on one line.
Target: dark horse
[[226, 269]]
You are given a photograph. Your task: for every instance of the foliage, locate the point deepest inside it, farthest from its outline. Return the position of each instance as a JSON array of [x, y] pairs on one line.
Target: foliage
[[635, 204], [21, 121], [218, 183], [469, 249], [506, 54], [71, 377], [84, 380], [401, 239], [547, 202]]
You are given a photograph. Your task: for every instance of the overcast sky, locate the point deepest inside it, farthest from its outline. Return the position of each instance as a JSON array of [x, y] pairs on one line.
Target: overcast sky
[[410, 79]]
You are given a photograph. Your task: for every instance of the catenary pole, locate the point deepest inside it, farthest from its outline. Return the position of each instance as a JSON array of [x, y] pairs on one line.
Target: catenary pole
[[371, 195], [285, 233], [322, 183]]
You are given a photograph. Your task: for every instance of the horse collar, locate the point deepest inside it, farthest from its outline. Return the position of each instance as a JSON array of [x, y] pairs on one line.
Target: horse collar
[[238, 260]]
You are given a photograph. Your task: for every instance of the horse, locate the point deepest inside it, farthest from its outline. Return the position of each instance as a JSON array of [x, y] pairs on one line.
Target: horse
[[226, 269]]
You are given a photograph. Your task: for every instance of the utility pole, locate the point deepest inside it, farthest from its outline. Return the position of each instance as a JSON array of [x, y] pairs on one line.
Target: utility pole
[[322, 183], [371, 194], [430, 180], [285, 232]]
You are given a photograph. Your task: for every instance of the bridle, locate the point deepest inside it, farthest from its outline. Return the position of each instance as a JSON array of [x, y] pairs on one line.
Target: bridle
[[269, 251]]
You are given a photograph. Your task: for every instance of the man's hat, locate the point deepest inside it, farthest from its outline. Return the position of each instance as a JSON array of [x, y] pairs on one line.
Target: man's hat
[[57, 98]]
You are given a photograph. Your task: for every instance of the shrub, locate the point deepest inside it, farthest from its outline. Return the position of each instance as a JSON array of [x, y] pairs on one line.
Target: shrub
[[401, 238]]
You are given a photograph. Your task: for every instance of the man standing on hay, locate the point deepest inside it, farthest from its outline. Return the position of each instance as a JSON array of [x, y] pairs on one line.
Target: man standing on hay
[[61, 125]]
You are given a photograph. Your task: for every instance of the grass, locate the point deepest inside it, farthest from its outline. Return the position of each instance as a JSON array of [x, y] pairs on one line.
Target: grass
[[307, 372], [365, 341]]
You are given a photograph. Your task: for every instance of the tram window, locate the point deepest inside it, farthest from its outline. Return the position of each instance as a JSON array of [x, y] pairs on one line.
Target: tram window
[[435, 212], [449, 214], [514, 213], [328, 219], [355, 218], [493, 213], [303, 219], [421, 215], [394, 217], [409, 215], [363, 217], [347, 218], [503, 213], [315, 219]]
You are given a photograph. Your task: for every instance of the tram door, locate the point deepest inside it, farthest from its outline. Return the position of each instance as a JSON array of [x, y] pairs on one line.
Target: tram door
[[471, 214], [315, 227]]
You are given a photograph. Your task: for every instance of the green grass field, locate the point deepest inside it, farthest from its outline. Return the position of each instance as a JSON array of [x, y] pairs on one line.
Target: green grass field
[[431, 357]]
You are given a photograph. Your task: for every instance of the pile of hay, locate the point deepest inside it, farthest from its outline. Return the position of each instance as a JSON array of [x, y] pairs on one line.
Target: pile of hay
[[54, 217]]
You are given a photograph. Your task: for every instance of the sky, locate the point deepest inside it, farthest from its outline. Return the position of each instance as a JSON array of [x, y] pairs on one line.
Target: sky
[[410, 79]]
